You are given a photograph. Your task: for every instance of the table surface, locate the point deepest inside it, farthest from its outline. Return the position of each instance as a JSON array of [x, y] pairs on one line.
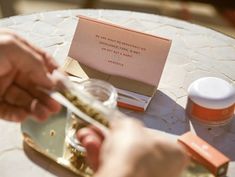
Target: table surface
[[196, 52]]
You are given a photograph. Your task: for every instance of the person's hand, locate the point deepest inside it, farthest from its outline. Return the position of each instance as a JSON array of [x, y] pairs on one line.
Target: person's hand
[[23, 69], [130, 150]]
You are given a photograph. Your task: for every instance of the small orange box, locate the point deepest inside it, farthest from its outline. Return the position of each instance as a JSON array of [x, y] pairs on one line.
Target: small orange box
[[205, 154]]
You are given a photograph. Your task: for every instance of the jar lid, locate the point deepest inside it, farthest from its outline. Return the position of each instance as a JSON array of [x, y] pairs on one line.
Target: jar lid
[[212, 92]]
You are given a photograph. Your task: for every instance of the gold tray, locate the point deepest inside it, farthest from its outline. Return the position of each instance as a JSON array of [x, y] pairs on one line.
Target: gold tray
[[48, 138]]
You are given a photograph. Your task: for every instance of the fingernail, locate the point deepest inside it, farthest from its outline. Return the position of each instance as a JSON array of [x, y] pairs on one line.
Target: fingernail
[[40, 111]]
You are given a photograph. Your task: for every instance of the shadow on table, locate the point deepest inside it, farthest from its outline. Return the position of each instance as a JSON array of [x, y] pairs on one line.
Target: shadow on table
[[46, 163], [164, 114], [222, 137]]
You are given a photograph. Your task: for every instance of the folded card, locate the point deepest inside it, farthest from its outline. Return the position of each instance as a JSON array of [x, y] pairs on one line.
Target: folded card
[[130, 60]]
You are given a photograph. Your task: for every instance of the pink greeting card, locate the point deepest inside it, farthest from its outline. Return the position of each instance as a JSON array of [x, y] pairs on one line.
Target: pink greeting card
[[128, 59]]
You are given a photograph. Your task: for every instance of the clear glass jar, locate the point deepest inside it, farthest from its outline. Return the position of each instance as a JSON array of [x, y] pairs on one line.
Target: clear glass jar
[[102, 91]]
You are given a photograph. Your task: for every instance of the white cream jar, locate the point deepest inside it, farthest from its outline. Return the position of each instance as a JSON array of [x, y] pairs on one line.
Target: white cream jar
[[211, 100]]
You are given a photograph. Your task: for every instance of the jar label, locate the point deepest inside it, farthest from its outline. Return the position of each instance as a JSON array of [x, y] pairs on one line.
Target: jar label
[[209, 115]]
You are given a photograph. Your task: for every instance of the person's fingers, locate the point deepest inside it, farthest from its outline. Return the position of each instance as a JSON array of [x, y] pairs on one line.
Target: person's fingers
[[92, 142], [33, 90], [98, 132], [12, 113], [7, 31], [39, 111], [28, 61], [48, 60], [31, 64], [6, 66], [46, 100], [84, 132], [39, 74], [25, 60], [93, 146], [6, 81], [18, 97]]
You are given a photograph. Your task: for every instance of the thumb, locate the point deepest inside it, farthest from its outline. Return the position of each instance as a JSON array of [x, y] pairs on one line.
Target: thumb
[[92, 142], [93, 145]]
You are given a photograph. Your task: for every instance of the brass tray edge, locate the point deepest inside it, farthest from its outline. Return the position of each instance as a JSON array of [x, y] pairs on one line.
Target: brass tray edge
[[27, 139]]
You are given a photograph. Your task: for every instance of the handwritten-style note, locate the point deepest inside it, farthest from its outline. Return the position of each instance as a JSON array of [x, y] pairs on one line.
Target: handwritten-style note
[[119, 51]]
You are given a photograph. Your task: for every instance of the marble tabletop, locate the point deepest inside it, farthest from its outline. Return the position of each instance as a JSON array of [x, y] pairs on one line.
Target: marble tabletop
[[196, 52]]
